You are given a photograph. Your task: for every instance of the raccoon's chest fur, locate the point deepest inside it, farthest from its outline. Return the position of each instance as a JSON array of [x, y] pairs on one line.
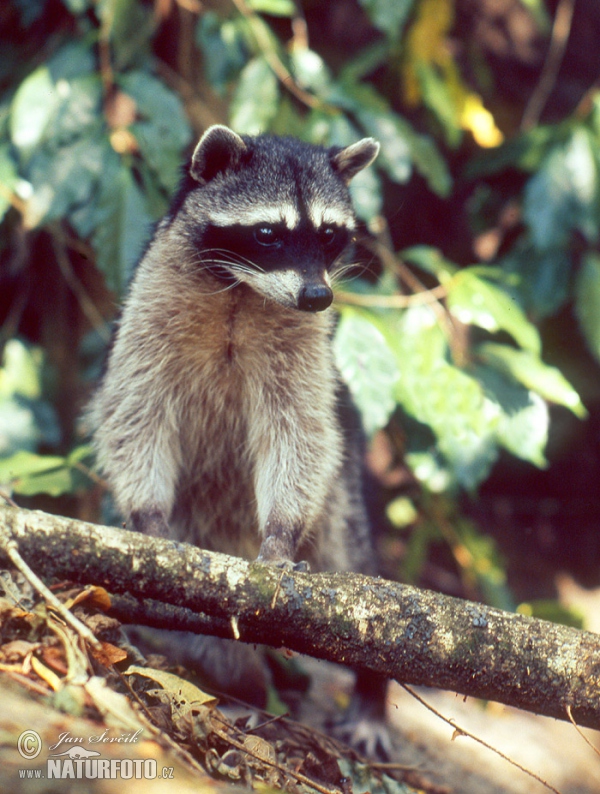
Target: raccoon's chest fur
[[244, 357]]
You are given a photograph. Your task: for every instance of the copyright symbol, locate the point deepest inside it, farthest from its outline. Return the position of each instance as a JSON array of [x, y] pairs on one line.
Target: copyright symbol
[[29, 744]]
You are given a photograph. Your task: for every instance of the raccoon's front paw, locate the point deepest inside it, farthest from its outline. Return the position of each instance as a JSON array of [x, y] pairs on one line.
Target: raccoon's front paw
[[150, 521], [278, 549], [296, 567]]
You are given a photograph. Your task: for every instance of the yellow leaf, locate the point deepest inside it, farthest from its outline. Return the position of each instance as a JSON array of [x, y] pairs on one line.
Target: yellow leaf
[[476, 118], [426, 43], [46, 674]]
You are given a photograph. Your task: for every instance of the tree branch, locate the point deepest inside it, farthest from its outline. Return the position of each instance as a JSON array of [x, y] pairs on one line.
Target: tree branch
[[415, 636]]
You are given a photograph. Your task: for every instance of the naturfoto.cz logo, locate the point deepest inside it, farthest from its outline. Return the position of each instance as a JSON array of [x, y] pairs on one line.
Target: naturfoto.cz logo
[[76, 762]]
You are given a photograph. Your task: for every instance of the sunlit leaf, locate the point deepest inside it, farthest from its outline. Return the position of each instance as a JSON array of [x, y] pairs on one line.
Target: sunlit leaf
[[310, 70], [443, 397], [401, 512], [528, 369], [523, 417], [20, 370], [33, 106], [275, 8], [477, 301], [254, 104], [26, 463], [368, 367], [27, 474], [8, 178], [587, 306]]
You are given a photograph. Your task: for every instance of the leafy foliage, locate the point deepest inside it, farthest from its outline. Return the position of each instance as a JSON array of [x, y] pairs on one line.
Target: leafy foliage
[[449, 343]]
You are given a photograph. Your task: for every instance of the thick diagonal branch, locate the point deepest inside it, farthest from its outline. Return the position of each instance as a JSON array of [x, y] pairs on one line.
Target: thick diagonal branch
[[415, 636]]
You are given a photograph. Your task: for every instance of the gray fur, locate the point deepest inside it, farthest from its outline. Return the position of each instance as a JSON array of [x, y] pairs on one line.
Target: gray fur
[[218, 421]]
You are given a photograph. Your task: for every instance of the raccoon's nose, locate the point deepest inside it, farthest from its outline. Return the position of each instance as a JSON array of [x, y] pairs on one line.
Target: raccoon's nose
[[315, 298]]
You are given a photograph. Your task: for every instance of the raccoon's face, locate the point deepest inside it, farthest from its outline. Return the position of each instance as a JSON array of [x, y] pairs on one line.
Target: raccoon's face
[[274, 213]]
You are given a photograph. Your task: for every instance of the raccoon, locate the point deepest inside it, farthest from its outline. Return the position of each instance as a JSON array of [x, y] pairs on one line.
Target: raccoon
[[221, 419]]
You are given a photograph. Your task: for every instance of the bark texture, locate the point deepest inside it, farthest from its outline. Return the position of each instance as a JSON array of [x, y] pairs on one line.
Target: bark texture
[[412, 635]]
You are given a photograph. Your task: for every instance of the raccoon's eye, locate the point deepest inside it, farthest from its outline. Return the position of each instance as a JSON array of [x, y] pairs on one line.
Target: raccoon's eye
[[328, 234], [266, 235]]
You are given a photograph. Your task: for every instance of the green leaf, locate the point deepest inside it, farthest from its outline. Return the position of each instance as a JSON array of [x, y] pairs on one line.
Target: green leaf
[[33, 107], [22, 464], [431, 261], [438, 98], [274, 8], [20, 372], [563, 194], [128, 24], [123, 225], [368, 367], [527, 368], [430, 164], [401, 512], [27, 474], [587, 301], [223, 48], [63, 179], [401, 146], [485, 564], [548, 609], [310, 70], [163, 131], [26, 419], [395, 155], [526, 152], [366, 191], [254, 104], [523, 422], [30, 10], [75, 59], [389, 16], [441, 396], [477, 301], [8, 178], [544, 276]]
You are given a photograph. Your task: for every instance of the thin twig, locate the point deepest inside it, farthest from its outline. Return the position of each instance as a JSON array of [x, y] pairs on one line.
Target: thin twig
[[463, 732], [392, 301], [278, 67], [4, 495], [10, 548], [561, 30], [580, 732]]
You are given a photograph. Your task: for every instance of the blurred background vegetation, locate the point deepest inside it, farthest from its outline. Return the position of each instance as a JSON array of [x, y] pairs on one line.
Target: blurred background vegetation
[[470, 336]]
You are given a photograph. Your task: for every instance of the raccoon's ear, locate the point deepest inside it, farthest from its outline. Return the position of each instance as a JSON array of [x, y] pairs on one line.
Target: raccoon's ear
[[349, 161], [218, 149]]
